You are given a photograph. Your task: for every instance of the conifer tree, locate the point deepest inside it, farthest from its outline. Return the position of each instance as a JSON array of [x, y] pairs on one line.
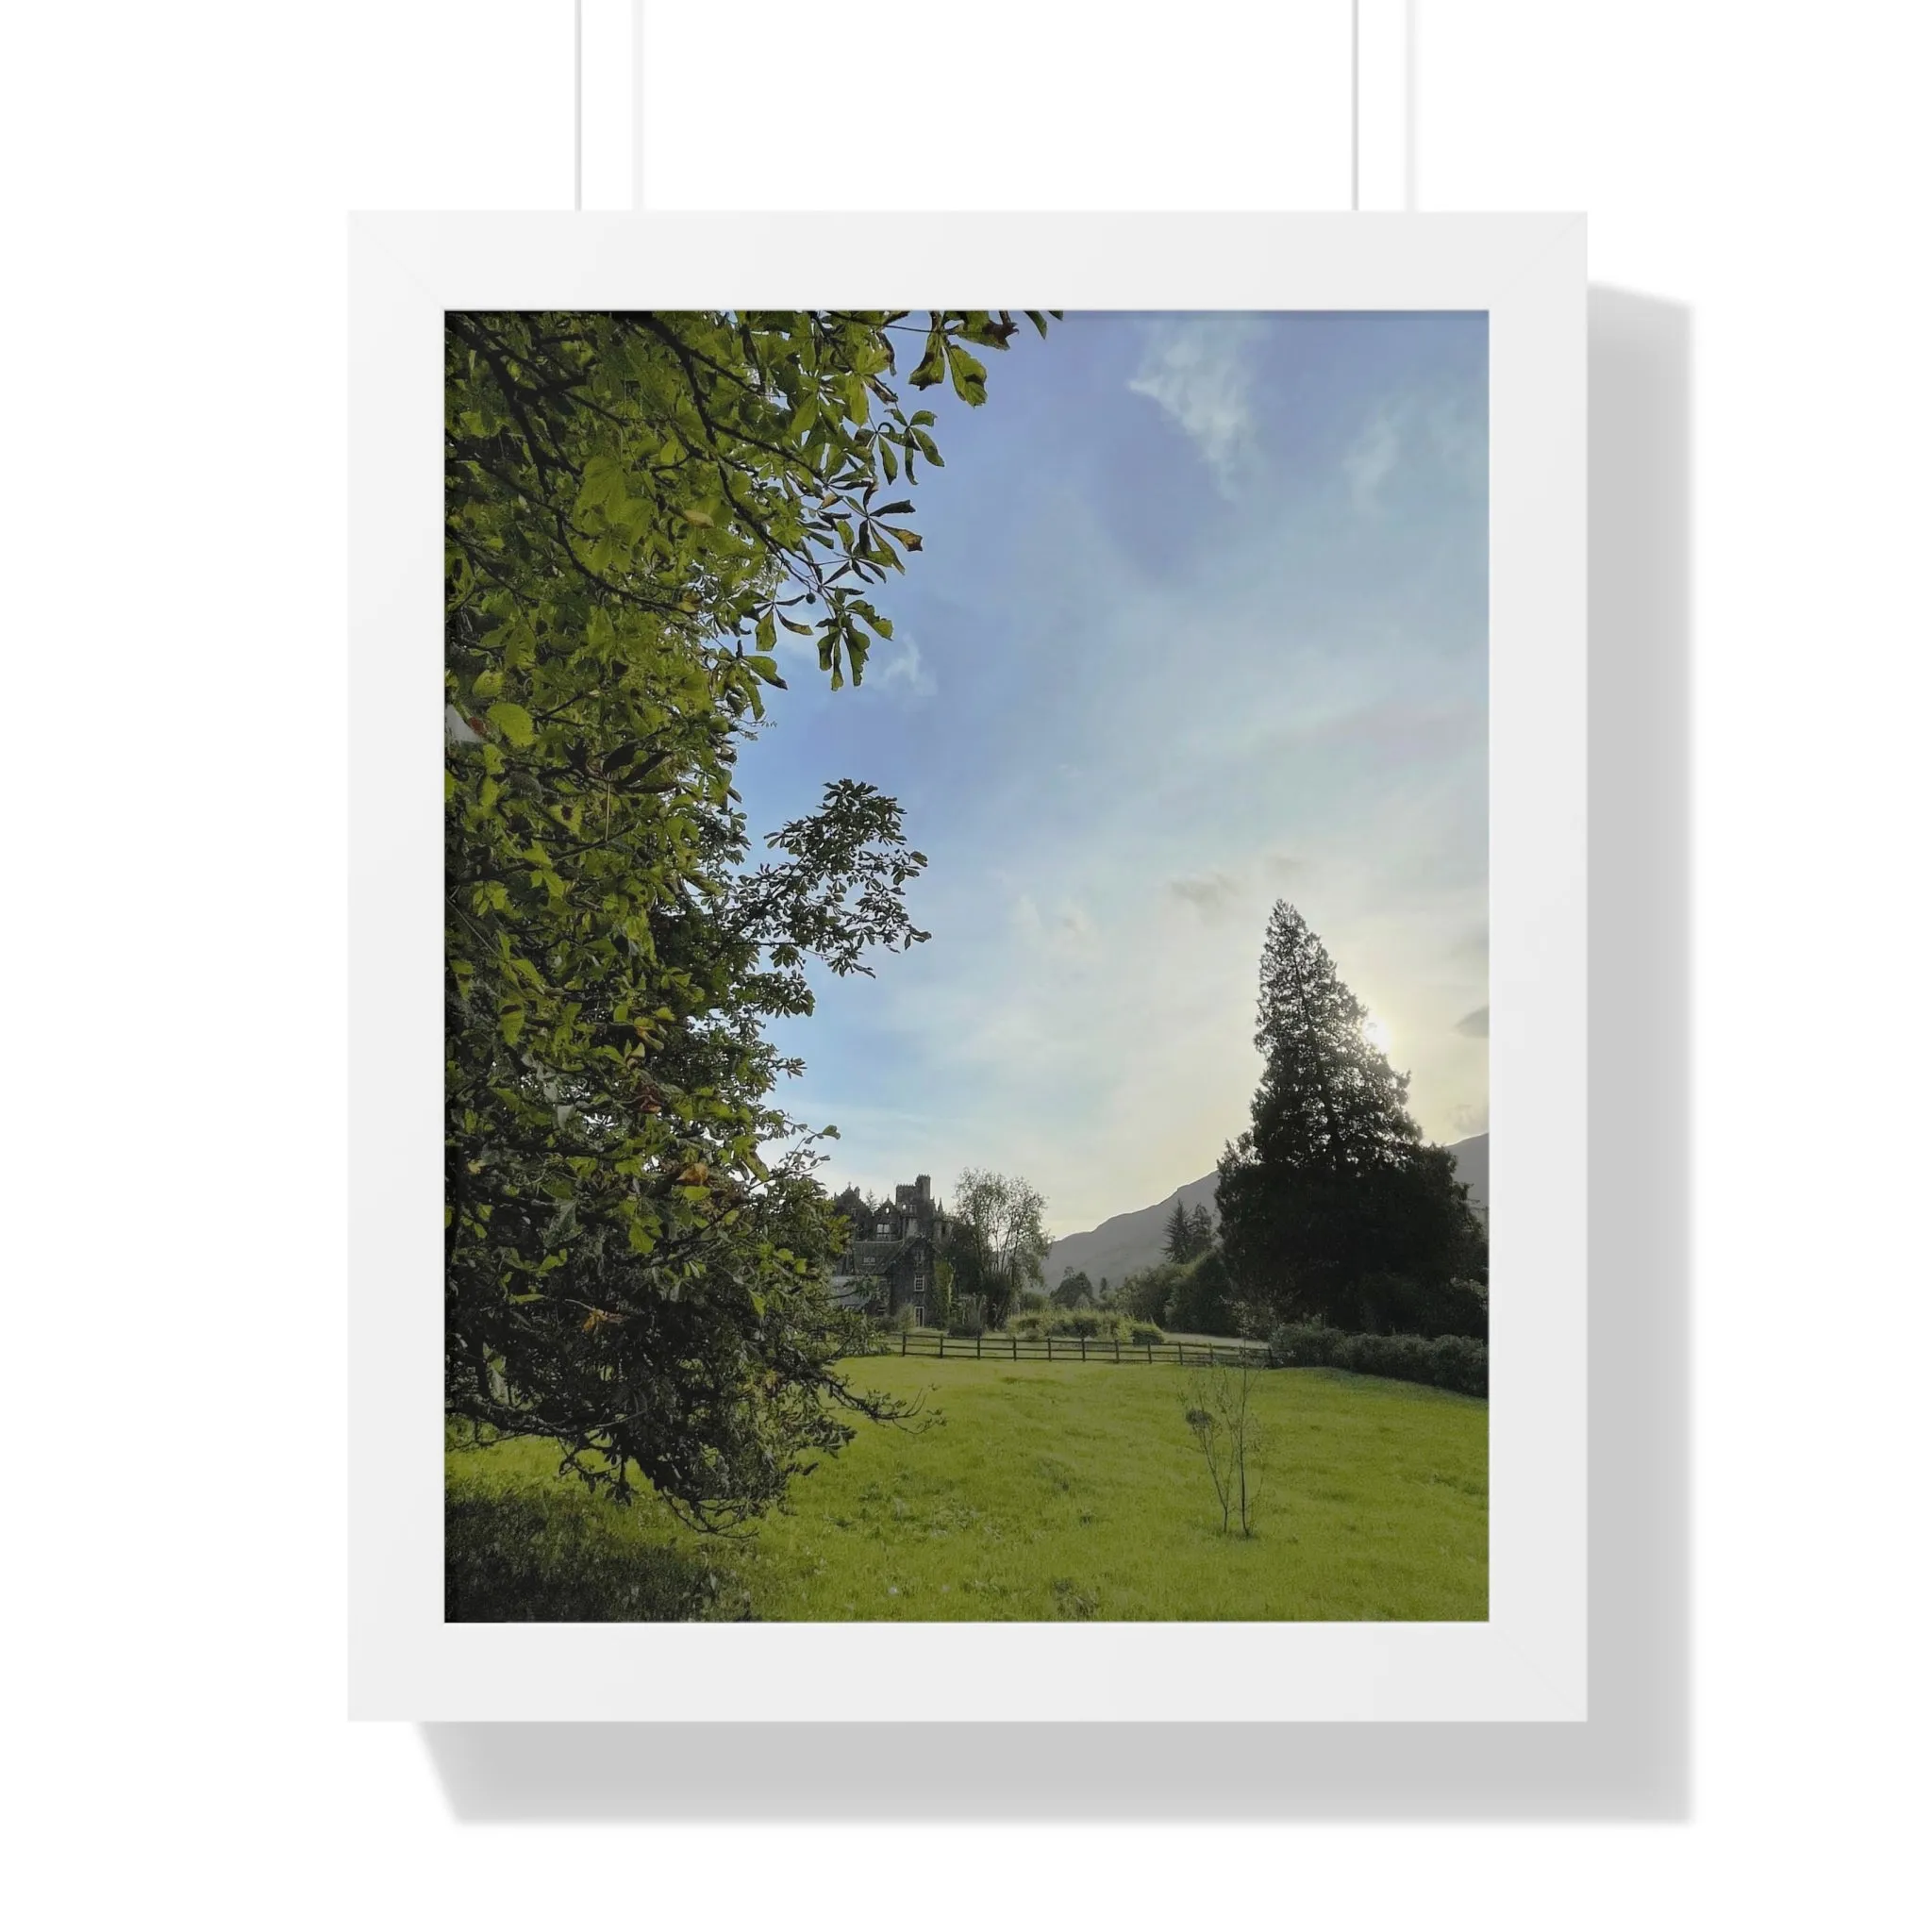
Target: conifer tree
[[1177, 1240], [1331, 1204]]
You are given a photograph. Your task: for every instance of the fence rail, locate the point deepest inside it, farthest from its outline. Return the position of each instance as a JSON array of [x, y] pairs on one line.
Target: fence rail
[[1070, 1348]]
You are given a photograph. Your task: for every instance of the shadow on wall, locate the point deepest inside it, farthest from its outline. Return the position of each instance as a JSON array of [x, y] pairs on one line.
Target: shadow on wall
[[1632, 1758]]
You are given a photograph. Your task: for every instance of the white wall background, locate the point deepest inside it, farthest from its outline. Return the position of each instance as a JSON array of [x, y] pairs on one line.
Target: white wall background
[[176, 179]]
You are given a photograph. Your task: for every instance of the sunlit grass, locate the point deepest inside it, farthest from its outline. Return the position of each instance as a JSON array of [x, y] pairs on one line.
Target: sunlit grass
[[1030, 1491]]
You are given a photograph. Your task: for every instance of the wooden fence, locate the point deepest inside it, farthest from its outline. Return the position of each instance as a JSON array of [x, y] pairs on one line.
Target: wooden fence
[[1071, 1348]]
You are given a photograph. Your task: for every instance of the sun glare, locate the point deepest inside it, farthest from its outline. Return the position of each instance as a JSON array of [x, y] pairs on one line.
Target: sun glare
[[1376, 1033]]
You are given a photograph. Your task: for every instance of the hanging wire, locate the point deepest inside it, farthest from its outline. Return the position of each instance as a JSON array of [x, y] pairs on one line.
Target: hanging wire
[[1354, 107], [1408, 106]]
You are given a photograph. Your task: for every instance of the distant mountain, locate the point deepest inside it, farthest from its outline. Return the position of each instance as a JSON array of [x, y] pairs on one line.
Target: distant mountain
[[1473, 1165], [1126, 1241]]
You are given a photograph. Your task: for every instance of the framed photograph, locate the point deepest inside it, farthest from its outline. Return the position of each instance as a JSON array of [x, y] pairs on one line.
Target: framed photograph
[[923, 1088]]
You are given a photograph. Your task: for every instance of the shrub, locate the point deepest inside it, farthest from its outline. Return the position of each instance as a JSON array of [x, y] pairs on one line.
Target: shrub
[[1456, 1362], [1144, 1295], [1462, 1363], [1201, 1301], [1302, 1346], [1094, 1324], [968, 1317]]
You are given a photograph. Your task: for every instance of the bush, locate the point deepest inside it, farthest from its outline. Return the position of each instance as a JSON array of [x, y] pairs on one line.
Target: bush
[[1455, 1363], [1094, 1324], [1144, 1295], [1202, 1299], [968, 1318]]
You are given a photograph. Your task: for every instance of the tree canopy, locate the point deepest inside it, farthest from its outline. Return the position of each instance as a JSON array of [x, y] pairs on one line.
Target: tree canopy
[[636, 507], [997, 1239], [1331, 1203], [1073, 1289]]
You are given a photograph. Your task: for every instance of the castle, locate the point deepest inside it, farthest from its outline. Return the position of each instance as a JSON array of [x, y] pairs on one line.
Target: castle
[[893, 1260]]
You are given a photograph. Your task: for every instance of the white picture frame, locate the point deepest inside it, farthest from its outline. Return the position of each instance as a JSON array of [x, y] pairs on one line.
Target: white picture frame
[[1528, 1662]]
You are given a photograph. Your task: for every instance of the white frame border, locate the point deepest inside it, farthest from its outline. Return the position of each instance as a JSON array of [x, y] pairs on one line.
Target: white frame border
[[1528, 1662]]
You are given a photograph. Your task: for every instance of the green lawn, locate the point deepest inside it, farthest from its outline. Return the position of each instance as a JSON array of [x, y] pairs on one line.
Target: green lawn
[[1035, 1492]]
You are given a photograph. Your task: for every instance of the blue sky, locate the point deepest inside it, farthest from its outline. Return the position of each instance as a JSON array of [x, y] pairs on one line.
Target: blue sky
[[1201, 621]]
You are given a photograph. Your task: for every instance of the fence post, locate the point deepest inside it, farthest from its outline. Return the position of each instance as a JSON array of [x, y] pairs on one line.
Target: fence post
[[1116, 1346], [1049, 1345], [1150, 1355], [1083, 1348], [1016, 1347], [976, 1348], [902, 1342]]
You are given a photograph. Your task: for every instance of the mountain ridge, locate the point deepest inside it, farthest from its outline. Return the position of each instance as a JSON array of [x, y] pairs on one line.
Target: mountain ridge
[[1125, 1243]]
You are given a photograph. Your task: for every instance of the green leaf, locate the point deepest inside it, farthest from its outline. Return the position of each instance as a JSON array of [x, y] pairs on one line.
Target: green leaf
[[513, 722], [932, 365], [969, 375]]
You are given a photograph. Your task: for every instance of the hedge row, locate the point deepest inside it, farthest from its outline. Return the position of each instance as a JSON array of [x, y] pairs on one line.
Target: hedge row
[[1091, 1323], [1448, 1361]]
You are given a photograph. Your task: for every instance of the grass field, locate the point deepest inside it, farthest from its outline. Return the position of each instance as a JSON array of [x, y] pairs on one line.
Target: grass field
[[1033, 1491]]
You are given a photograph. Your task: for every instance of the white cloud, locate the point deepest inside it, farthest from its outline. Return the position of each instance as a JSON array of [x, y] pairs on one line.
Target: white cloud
[[1370, 460], [1199, 369], [906, 670]]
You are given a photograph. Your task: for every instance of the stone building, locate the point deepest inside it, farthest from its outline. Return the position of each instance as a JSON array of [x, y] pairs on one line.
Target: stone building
[[894, 1257]]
